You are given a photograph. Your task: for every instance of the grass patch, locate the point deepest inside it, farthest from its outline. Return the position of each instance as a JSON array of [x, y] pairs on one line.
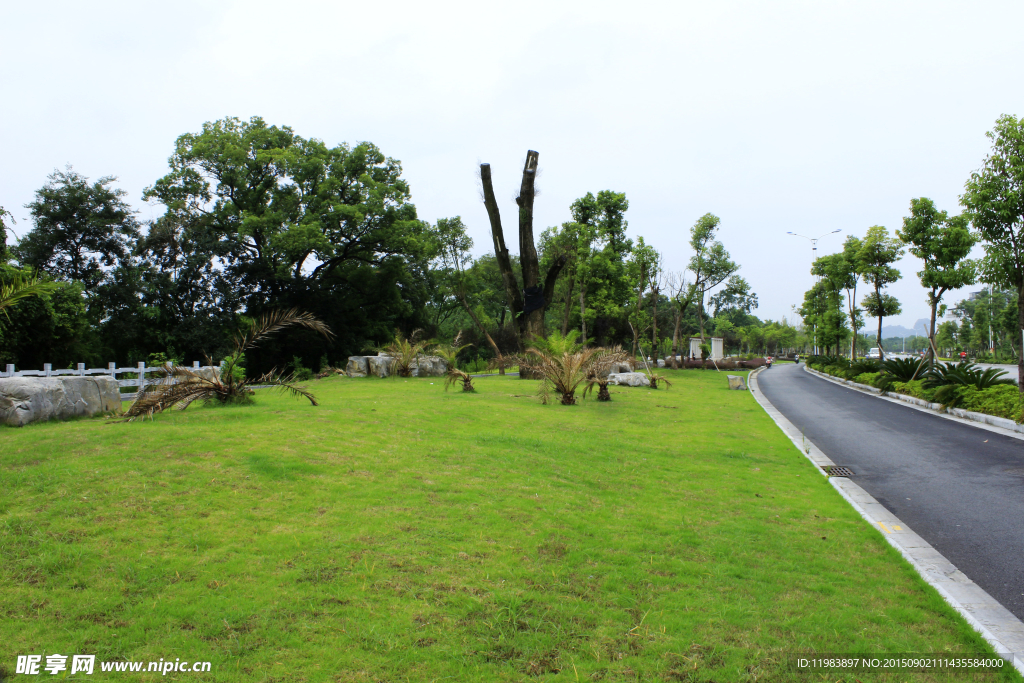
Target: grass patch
[[398, 532]]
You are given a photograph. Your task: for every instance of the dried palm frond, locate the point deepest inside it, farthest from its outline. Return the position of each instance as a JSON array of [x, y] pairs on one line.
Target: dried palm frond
[[455, 376], [655, 378], [181, 386]]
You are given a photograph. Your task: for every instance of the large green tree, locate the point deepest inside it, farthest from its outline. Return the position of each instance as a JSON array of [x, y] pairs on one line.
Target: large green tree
[[81, 232], [710, 264], [875, 257], [943, 243], [291, 221], [993, 201]]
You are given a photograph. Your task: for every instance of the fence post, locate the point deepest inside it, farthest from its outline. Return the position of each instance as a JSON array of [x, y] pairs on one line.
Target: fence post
[[142, 378], [47, 368], [81, 369], [195, 365], [10, 370], [111, 367]]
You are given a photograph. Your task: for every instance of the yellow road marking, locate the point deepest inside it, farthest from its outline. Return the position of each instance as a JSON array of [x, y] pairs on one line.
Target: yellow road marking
[[897, 528], [885, 528]]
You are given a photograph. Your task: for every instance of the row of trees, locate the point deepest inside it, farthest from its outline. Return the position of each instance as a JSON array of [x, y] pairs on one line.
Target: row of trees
[[993, 203], [256, 218]]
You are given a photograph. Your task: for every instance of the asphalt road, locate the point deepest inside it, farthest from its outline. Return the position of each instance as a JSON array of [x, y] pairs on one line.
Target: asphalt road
[[958, 487]]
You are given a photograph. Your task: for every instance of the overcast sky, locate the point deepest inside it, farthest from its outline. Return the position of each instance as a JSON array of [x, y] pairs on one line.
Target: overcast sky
[[781, 116]]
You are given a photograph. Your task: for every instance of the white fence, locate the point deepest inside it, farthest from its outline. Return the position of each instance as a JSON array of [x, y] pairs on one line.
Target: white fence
[[139, 381]]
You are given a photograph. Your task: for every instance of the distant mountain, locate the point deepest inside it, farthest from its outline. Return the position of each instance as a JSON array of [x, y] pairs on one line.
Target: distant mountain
[[888, 331]]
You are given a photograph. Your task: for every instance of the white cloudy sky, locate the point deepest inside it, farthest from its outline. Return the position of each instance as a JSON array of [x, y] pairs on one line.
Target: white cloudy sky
[[776, 116]]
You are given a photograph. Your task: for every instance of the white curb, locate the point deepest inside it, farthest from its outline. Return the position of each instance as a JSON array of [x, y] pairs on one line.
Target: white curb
[[996, 624]]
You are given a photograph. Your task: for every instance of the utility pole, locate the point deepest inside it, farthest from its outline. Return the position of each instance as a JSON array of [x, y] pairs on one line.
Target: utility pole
[[814, 257]]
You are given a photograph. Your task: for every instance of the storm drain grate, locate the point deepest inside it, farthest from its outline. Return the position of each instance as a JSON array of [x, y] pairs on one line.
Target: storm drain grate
[[839, 471]]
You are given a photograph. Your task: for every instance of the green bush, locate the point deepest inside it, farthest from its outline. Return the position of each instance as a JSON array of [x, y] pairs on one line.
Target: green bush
[[915, 389], [302, 373], [1001, 400], [869, 378]]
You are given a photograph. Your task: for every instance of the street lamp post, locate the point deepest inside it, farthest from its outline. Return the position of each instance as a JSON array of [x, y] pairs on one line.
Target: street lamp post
[[814, 257]]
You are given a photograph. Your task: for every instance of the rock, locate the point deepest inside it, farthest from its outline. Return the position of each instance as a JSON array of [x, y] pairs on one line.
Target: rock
[[661, 362], [736, 382], [357, 366], [625, 366], [429, 366], [629, 379], [379, 366], [33, 399]]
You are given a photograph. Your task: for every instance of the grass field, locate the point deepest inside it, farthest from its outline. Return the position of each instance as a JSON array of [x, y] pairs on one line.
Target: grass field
[[401, 533]]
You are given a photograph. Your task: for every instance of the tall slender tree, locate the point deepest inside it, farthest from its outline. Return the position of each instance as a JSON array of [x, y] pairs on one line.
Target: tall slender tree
[[993, 201], [943, 243], [710, 263], [877, 253]]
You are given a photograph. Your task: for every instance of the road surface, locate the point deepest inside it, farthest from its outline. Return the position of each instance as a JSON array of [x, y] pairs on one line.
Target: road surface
[[959, 487]]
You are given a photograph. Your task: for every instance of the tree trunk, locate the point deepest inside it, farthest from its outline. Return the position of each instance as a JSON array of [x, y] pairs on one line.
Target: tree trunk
[[700, 316], [853, 323], [1020, 324], [931, 330], [654, 330], [583, 314], [675, 340], [533, 325], [878, 337], [568, 308], [515, 300]]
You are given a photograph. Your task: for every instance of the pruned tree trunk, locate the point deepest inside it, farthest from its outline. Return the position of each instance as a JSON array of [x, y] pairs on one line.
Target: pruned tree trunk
[[515, 300], [533, 312]]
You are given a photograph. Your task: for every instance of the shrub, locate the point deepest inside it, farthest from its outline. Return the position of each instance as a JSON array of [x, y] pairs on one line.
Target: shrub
[[299, 371], [1001, 400], [917, 389], [868, 378]]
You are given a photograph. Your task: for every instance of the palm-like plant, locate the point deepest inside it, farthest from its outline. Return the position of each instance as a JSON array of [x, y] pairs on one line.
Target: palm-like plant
[[450, 352], [949, 378], [404, 352], [182, 386], [599, 370], [564, 365], [655, 378], [13, 292]]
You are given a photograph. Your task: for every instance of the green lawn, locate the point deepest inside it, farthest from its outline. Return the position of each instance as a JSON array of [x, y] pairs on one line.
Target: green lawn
[[401, 533]]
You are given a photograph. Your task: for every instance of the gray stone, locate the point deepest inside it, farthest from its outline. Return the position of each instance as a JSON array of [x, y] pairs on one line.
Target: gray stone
[[624, 366], [357, 366], [429, 366], [736, 382], [32, 399], [379, 366], [629, 379], [661, 362]]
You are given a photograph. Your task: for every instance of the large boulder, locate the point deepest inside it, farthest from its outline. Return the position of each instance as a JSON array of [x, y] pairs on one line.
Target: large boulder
[[629, 379], [32, 399], [429, 366], [624, 366], [379, 366], [357, 366]]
